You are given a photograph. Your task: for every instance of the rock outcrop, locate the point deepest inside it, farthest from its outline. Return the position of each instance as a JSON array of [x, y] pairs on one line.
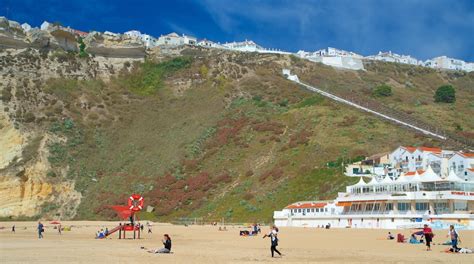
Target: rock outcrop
[[114, 45]]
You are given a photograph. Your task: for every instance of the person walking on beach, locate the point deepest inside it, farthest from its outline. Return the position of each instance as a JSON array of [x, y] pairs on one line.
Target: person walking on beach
[[454, 236], [149, 227], [428, 236], [59, 229], [40, 230], [273, 235]]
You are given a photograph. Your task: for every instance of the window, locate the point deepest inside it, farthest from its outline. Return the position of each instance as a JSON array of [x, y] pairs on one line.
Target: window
[[460, 206], [325, 209], [389, 207], [299, 210], [369, 207], [421, 206], [376, 207], [403, 206]]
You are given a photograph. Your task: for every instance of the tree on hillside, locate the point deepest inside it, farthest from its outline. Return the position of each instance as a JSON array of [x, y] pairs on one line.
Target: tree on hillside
[[445, 94], [383, 90]]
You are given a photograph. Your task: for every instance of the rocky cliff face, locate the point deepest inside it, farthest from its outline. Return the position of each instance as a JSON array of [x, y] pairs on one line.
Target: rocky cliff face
[[25, 188]]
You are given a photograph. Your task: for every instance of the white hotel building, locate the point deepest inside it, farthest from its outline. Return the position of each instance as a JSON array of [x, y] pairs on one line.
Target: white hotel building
[[412, 199]]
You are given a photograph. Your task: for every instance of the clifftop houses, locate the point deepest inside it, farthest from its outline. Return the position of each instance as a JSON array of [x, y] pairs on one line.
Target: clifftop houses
[[329, 56]]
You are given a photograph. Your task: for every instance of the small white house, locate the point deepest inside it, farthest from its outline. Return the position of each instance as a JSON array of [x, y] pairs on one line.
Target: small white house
[[189, 40], [171, 39], [460, 162], [149, 41], [133, 34], [26, 27], [45, 25]]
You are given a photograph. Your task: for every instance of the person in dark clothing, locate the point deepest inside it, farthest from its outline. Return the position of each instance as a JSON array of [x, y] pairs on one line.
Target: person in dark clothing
[[166, 244], [13, 229], [40, 230], [273, 235]]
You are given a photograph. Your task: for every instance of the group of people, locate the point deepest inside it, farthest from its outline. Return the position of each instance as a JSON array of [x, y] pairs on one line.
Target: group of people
[[102, 233], [426, 236], [254, 231]]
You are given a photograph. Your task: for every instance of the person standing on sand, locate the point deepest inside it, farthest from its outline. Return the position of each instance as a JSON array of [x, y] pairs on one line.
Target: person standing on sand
[[428, 236], [59, 229], [454, 236], [13, 229], [40, 230], [273, 234]]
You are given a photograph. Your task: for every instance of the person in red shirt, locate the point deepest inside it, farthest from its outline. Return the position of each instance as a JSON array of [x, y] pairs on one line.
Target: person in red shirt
[[428, 236]]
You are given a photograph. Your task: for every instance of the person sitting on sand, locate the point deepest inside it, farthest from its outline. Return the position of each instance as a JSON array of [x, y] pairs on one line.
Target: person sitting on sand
[[413, 239], [428, 233], [390, 236], [167, 246]]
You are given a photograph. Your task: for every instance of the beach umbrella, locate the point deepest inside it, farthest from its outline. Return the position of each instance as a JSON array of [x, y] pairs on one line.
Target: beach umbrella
[[55, 223]]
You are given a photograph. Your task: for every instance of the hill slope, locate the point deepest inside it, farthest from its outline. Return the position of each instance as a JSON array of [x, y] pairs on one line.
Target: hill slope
[[206, 134]]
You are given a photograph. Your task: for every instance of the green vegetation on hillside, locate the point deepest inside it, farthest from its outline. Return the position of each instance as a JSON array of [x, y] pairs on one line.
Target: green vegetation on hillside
[[445, 94], [149, 76], [382, 90], [235, 140]]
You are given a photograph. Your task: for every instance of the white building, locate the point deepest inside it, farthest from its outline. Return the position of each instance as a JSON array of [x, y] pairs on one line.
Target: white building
[[393, 57], [45, 25], [407, 160], [171, 39], [149, 41], [408, 202], [447, 63], [335, 58], [189, 40], [133, 33], [462, 164], [246, 46], [209, 44], [26, 27]]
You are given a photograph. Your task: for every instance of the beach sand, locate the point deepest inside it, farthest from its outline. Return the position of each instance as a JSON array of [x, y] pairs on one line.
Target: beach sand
[[205, 244]]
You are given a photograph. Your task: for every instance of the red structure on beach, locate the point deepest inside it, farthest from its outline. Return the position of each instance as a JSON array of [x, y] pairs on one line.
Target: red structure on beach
[[134, 205]]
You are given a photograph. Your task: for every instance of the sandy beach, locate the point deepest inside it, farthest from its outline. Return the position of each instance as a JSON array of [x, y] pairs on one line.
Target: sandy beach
[[205, 244]]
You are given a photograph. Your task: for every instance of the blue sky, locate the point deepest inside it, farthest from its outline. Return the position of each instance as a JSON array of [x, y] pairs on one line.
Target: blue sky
[[421, 28]]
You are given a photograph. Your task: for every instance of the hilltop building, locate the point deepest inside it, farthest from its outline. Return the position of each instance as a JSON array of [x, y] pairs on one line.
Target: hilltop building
[[393, 57], [245, 46], [173, 39], [334, 57], [447, 63]]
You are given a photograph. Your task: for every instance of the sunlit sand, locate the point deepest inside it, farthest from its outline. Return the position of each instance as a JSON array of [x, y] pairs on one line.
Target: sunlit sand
[[205, 244]]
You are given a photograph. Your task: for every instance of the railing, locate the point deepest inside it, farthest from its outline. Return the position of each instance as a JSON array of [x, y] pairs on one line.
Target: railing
[[393, 115]]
